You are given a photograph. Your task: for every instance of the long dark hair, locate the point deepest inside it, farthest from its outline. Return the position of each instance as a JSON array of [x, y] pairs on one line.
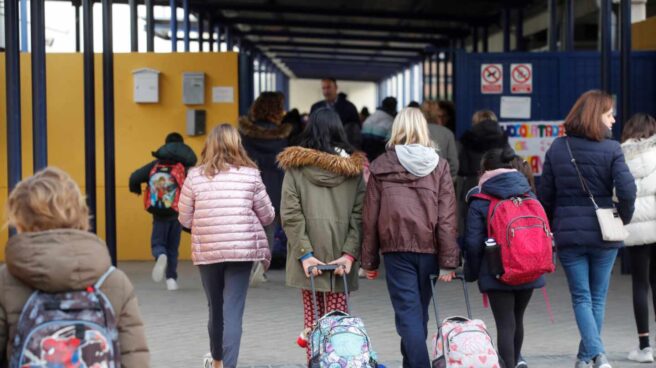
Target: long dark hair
[[497, 158], [325, 132], [640, 126]]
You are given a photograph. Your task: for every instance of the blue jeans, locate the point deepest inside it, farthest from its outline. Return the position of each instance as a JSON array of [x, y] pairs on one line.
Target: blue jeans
[[165, 239], [588, 270], [409, 286]]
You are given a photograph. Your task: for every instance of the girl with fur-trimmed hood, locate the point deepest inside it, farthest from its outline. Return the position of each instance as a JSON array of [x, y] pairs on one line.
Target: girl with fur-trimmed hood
[[321, 210]]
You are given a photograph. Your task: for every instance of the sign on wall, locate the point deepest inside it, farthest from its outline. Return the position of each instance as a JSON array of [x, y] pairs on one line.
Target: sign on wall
[[521, 78], [491, 78], [532, 139]]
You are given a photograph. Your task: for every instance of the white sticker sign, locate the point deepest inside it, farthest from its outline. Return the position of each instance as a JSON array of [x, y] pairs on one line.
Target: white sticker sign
[[223, 95], [521, 78], [491, 78], [515, 107]]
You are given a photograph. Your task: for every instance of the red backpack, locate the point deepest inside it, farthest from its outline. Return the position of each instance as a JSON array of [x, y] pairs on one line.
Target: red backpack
[[521, 229], [163, 189]]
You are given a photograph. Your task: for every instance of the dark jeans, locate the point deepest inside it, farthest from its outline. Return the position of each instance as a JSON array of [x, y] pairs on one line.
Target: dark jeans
[[409, 285], [165, 239], [508, 308], [226, 285], [643, 275]]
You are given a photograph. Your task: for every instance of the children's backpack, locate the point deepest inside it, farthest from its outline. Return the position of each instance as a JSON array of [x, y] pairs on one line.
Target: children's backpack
[[67, 329], [521, 229], [339, 339], [461, 342], [164, 186]]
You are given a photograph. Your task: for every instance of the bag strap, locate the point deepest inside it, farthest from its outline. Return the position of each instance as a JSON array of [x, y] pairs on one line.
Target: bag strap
[[581, 179], [104, 277]]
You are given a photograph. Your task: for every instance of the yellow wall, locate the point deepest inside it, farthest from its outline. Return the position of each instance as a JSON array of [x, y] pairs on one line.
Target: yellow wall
[[643, 35], [140, 128]]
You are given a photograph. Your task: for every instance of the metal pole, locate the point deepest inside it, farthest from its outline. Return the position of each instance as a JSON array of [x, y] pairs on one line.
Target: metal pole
[[228, 37], [569, 25], [486, 39], [440, 76], [605, 44], [552, 34], [625, 60], [201, 31], [150, 26], [134, 30], [187, 24], [76, 6], [13, 92], [506, 29], [23, 26], [519, 30], [475, 39], [211, 32], [174, 25], [89, 114], [431, 77], [245, 93], [108, 109], [218, 37], [39, 108]]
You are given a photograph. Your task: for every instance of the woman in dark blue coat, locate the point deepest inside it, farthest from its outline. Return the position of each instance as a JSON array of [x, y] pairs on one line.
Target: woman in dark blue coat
[[500, 180], [586, 258]]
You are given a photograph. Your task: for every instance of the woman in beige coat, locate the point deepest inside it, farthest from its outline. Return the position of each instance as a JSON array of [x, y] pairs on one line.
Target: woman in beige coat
[[54, 252]]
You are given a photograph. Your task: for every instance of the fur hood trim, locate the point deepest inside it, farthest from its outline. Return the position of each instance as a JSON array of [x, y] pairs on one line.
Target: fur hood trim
[[633, 147], [298, 157], [249, 129]]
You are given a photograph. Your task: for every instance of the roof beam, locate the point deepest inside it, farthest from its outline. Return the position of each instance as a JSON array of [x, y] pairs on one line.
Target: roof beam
[[277, 50], [332, 45], [328, 55], [448, 31], [341, 36], [341, 12], [333, 61]]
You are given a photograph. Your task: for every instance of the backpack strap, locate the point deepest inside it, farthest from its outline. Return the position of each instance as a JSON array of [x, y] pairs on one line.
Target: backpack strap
[[104, 277]]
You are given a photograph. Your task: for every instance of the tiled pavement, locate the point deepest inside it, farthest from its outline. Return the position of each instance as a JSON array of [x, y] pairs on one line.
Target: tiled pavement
[[176, 321]]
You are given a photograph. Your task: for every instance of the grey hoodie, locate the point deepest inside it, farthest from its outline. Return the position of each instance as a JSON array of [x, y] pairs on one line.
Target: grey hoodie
[[417, 159]]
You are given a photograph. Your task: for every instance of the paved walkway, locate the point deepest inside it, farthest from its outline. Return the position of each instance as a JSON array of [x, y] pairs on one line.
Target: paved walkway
[[176, 321]]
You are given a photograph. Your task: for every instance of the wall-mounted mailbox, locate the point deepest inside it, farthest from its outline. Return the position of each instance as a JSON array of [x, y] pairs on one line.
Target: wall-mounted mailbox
[[146, 85], [196, 122], [193, 88]]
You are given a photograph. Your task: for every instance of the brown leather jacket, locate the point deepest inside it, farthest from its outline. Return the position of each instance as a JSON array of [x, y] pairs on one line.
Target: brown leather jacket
[[406, 213]]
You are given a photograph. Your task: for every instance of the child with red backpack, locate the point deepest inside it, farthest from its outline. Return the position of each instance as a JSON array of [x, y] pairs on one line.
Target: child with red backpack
[[164, 178], [507, 247]]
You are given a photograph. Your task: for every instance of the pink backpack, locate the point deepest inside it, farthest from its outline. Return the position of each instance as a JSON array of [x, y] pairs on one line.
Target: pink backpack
[[521, 229]]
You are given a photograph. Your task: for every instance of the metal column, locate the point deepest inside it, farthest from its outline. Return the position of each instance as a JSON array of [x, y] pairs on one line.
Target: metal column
[[505, 15], [440, 76], [201, 31], [89, 114], [13, 92], [552, 31], [218, 37], [475, 39], [23, 26], [519, 31], [210, 29], [187, 24], [150, 26], [605, 44], [174, 25], [625, 60], [134, 30], [108, 114], [245, 80], [569, 25], [486, 39], [76, 6], [39, 107], [229, 40]]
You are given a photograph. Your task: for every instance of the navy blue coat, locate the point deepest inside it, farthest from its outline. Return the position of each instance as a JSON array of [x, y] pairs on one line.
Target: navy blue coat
[[502, 186], [570, 210]]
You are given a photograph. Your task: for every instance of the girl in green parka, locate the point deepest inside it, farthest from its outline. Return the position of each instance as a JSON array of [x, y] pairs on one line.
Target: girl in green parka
[[321, 211]]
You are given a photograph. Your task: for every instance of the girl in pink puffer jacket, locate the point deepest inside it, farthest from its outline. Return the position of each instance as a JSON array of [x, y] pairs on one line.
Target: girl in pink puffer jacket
[[225, 204]]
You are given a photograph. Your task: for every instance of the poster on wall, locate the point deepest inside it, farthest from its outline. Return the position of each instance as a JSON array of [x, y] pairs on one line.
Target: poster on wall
[[532, 139]]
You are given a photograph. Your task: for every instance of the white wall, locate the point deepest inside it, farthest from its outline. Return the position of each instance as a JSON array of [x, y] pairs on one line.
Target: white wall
[[304, 92]]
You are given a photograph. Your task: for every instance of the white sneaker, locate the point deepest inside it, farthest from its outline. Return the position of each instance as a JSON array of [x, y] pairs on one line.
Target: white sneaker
[[601, 361], [645, 355], [207, 360], [171, 285], [159, 268]]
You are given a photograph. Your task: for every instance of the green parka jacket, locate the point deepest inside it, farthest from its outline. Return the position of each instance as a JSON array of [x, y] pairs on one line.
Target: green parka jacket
[[321, 211]]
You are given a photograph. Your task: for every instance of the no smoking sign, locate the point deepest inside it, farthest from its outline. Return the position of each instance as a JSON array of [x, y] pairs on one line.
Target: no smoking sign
[[521, 78], [491, 78]]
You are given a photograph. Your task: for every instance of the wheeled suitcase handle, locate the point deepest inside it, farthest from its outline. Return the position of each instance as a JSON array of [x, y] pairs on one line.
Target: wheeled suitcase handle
[[434, 279], [329, 268]]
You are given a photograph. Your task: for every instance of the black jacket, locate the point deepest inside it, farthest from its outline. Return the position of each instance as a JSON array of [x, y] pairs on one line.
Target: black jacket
[[263, 141], [177, 152], [349, 115]]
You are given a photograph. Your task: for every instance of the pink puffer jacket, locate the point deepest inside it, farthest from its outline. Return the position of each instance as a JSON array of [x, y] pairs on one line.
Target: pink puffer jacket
[[226, 214]]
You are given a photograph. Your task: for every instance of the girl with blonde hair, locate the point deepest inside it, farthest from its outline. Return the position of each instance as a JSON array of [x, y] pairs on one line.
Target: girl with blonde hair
[[410, 217], [225, 204]]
